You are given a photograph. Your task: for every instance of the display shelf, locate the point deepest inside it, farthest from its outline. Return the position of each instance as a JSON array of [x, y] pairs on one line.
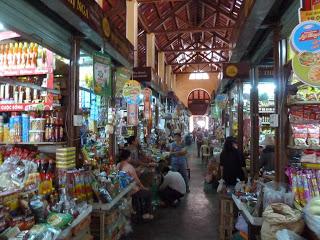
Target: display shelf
[[25, 72], [120, 222], [83, 215], [265, 123], [35, 143], [266, 112], [255, 221], [108, 206], [30, 85], [303, 147], [24, 107], [299, 103]]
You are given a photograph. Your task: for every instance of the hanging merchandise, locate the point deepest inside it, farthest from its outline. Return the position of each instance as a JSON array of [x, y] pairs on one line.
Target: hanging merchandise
[[102, 74], [133, 114], [222, 100], [131, 92], [147, 92]]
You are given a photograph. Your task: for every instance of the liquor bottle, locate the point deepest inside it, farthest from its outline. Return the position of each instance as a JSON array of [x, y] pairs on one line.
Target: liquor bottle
[[24, 54], [15, 55], [39, 56], [10, 56], [1, 55], [35, 55], [29, 54], [47, 128], [19, 55]]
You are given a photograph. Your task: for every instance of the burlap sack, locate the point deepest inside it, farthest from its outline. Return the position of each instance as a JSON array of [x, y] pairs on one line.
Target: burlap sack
[[278, 216]]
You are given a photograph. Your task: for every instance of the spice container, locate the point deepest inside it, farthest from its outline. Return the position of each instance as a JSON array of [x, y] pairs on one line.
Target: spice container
[[36, 136]]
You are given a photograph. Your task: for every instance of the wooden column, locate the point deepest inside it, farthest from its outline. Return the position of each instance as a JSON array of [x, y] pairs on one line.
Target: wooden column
[[240, 115], [279, 55], [161, 65], [132, 27], [151, 50], [73, 133], [254, 107]]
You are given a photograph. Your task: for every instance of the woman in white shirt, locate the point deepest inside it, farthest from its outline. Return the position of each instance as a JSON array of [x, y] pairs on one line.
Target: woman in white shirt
[[139, 192]]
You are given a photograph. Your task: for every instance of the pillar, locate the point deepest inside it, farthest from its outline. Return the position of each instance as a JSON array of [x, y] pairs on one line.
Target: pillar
[[132, 27], [161, 65], [151, 50], [174, 82], [168, 75], [73, 98], [254, 107]]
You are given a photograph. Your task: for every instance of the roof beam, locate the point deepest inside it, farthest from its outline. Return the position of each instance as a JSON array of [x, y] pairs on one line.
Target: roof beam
[[158, 1], [168, 15], [196, 63], [171, 41], [188, 72], [197, 49], [222, 11], [192, 30]]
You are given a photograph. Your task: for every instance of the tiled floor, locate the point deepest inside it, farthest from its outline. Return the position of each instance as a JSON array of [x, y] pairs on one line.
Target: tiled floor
[[196, 218]]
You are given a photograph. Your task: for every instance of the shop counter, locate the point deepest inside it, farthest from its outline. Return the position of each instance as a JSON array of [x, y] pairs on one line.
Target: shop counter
[[79, 228], [108, 220], [254, 223], [109, 206]]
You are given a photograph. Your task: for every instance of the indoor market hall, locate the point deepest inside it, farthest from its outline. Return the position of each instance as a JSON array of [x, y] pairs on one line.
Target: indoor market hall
[[159, 120]]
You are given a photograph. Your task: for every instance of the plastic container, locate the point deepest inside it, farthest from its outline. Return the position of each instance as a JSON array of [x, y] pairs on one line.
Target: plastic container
[[36, 136], [37, 124], [25, 127]]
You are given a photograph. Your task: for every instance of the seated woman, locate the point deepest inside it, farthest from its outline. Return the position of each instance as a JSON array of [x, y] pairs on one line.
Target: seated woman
[[139, 192]]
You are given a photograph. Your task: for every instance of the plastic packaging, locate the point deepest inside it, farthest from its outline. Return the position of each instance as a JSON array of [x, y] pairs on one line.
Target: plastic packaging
[[312, 215], [286, 234], [221, 186]]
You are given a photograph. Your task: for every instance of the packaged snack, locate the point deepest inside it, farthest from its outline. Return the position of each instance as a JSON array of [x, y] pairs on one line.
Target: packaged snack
[[313, 135], [59, 220], [300, 134]]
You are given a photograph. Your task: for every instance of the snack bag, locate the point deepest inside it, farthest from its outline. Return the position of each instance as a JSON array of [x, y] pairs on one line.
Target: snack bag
[[313, 135], [300, 134]]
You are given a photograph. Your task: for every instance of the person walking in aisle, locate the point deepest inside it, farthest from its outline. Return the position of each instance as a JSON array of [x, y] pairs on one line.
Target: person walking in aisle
[[172, 188], [179, 158], [199, 140], [140, 192], [232, 164]]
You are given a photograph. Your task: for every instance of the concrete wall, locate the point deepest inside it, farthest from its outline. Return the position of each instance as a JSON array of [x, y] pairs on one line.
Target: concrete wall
[[184, 86]]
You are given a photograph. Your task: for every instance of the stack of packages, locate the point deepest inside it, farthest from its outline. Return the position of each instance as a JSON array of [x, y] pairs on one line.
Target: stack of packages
[[66, 158]]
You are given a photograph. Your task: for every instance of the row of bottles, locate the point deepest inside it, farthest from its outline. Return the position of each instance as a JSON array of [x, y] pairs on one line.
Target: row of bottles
[[22, 55], [32, 128]]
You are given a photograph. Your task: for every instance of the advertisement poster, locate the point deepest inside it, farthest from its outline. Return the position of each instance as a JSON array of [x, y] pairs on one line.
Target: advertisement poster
[[305, 37], [147, 92], [131, 90], [102, 74], [122, 75]]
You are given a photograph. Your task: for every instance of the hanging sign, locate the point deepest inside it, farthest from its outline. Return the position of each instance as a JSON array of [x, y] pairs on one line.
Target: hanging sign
[[236, 70], [305, 37], [102, 74], [122, 75], [307, 68], [147, 92], [131, 90], [132, 114]]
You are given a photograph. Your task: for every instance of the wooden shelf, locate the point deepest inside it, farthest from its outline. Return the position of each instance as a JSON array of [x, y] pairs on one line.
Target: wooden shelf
[[301, 103], [30, 85], [25, 72], [303, 147], [266, 112], [36, 143]]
